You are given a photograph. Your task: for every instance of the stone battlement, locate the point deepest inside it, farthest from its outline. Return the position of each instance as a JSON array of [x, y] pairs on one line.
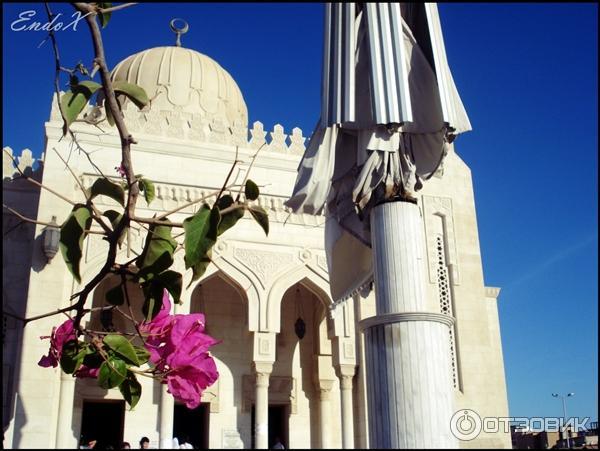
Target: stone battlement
[[194, 127], [25, 163]]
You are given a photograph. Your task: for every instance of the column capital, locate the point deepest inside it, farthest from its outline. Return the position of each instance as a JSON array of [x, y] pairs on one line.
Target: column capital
[[263, 372], [346, 382], [343, 370], [324, 386]]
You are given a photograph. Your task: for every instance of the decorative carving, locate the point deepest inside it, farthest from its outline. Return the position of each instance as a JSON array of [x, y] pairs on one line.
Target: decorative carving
[[297, 141], [322, 263], [264, 265], [278, 138], [218, 132], [304, 255], [492, 292], [440, 207], [258, 135], [348, 350], [264, 347]]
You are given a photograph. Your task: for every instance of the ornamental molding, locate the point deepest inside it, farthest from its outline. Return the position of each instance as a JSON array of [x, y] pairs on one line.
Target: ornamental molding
[[195, 127], [171, 195], [492, 292], [442, 208], [266, 266]]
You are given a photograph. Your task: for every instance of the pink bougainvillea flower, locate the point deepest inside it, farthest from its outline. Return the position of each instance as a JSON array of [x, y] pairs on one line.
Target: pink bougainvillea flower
[[186, 382], [85, 371], [179, 347], [121, 170], [59, 337]]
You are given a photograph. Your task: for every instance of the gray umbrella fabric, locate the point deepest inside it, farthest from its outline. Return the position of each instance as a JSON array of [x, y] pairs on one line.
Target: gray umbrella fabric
[[389, 111]]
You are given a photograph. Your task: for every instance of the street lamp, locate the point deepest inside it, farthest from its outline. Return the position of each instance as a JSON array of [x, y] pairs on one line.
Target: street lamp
[[564, 403]]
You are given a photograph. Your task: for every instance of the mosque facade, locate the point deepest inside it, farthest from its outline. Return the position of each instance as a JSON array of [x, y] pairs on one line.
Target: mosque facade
[[252, 294]]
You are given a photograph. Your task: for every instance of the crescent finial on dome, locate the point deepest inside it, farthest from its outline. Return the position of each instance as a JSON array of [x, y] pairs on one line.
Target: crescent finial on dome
[[179, 30]]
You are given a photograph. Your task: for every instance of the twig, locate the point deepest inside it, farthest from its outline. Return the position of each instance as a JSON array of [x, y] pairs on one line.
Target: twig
[[116, 8], [57, 312], [98, 216], [135, 324], [35, 182], [235, 161], [248, 171]]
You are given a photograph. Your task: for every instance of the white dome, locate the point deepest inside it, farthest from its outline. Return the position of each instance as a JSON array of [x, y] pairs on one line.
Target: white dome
[[186, 81]]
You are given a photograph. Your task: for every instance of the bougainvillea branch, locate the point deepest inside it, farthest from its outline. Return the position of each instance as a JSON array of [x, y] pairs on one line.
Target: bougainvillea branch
[[171, 348]]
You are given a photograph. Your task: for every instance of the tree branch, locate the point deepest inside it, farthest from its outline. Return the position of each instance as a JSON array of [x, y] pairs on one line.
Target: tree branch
[[116, 8]]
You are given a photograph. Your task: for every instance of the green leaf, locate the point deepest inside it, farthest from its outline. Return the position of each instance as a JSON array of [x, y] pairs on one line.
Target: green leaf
[[224, 202], [153, 294], [131, 389], [261, 216], [104, 17], [115, 296], [72, 236], [107, 188], [158, 252], [142, 354], [229, 219], [251, 190], [122, 346], [200, 268], [74, 101], [200, 234], [115, 217], [173, 282], [148, 188], [135, 93], [112, 372], [72, 356]]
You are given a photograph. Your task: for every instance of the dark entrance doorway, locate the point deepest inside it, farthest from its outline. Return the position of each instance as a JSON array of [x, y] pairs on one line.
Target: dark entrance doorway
[[279, 415], [278, 424], [103, 421], [192, 424]]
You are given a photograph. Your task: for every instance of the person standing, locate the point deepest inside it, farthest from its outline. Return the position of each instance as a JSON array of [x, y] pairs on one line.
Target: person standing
[[144, 443]]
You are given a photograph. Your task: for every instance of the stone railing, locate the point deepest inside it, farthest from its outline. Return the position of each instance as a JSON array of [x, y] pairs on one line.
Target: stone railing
[[170, 196], [194, 127], [25, 163]]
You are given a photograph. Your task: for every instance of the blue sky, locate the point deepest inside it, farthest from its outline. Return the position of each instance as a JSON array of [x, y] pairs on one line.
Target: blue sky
[[528, 76]]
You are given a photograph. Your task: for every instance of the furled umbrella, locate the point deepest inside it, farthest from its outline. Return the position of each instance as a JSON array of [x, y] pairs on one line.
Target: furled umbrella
[[389, 111]]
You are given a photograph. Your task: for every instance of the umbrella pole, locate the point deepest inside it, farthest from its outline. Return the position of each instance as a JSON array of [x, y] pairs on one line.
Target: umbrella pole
[[410, 392]]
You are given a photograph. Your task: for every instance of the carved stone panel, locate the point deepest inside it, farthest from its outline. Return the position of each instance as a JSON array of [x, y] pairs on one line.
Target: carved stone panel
[[441, 207], [265, 265]]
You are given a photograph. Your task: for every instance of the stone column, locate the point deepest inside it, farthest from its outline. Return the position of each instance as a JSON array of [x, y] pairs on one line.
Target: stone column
[[167, 415], [325, 387], [64, 430], [261, 405], [410, 392], [347, 409]]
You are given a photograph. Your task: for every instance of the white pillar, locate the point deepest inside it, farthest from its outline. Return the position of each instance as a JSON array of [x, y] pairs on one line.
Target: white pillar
[[64, 428], [167, 415], [347, 409], [410, 392], [325, 387], [261, 405]]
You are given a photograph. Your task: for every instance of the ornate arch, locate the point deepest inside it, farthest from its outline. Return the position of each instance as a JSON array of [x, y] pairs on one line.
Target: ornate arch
[[310, 278], [237, 277]]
